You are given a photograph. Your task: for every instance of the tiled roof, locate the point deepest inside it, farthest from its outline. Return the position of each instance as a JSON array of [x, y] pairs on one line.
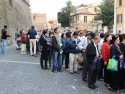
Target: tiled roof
[[85, 12]]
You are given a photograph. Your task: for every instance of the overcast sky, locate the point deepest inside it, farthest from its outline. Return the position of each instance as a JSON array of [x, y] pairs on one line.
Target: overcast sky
[[51, 7]]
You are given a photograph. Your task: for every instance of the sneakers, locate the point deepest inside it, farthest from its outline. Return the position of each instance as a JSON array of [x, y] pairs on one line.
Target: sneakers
[[67, 69], [35, 55], [22, 53]]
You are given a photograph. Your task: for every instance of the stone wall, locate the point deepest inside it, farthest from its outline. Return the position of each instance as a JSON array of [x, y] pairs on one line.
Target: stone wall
[[15, 14]]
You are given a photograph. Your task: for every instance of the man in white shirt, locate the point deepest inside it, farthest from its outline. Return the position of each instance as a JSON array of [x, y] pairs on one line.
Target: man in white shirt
[[82, 46], [100, 73], [101, 42], [81, 35]]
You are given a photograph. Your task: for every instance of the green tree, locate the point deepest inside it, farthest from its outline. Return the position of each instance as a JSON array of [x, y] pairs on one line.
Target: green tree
[[68, 9], [106, 13], [63, 19]]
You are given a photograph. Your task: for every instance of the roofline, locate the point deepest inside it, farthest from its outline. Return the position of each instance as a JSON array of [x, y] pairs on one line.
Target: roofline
[[82, 13]]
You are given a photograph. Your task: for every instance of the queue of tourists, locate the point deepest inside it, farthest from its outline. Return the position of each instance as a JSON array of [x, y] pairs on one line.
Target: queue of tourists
[[103, 56], [100, 56]]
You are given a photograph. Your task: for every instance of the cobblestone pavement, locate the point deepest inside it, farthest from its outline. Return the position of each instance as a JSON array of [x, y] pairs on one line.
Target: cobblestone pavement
[[21, 74]]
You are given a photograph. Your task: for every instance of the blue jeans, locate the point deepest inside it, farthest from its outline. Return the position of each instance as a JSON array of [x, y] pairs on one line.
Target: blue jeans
[[3, 46], [63, 57], [57, 61], [18, 43]]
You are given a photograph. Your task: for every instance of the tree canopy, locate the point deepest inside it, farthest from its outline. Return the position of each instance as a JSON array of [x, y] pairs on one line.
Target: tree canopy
[[106, 13], [63, 19], [64, 14]]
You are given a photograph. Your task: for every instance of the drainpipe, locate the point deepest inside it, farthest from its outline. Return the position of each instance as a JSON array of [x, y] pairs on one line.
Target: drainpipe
[[115, 22]]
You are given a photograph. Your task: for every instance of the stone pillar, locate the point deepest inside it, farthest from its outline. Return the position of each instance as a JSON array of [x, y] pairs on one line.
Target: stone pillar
[[115, 27], [124, 22], [94, 28], [105, 29], [99, 27], [80, 18]]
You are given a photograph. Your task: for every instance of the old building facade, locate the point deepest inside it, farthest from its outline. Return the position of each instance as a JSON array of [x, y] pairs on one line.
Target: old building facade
[[119, 14], [83, 18]]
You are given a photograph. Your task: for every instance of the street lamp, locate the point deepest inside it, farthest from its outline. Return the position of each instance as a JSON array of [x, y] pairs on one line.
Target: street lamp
[[34, 17]]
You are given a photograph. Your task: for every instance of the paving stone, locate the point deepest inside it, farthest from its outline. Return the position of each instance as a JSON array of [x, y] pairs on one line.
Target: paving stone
[[28, 78]]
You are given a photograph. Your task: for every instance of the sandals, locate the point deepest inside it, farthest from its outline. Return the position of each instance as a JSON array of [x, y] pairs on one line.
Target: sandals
[[116, 91], [108, 86]]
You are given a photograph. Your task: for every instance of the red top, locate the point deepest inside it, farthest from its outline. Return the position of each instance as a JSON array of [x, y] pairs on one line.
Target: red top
[[105, 52], [23, 37]]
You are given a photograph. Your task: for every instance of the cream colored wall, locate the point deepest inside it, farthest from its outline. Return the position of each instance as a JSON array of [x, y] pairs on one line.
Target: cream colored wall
[[123, 3], [89, 18], [120, 10], [92, 9]]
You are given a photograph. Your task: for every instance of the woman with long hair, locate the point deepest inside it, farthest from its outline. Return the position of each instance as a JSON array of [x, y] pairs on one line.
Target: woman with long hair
[[117, 54], [45, 49], [105, 57]]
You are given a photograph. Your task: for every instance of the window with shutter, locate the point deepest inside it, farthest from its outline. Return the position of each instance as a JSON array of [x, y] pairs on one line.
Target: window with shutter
[[119, 18], [120, 2], [85, 19]]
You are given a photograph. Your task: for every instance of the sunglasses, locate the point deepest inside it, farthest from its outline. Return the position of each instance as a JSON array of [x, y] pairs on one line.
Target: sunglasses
[[116, 36]]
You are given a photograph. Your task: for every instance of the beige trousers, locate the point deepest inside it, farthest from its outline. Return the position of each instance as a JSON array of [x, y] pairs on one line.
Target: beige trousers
[[73, 62], [32, 44]]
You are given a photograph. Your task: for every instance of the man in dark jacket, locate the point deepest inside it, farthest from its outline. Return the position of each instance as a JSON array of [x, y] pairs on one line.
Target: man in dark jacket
[[32, 36], [57, 51], [82, 46], [91, 53], [4, 36], [73, 50]]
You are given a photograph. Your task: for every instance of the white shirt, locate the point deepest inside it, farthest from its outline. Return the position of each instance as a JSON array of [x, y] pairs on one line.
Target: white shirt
[[96, 49], [100, 45], [81, 38], [37, 37], [83, 43]]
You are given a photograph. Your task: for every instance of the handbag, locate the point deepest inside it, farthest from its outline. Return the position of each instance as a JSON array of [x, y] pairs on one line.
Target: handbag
[[40, 47], [79, 58], [97, 63], [24, 41], [7, 35], [112, 64]]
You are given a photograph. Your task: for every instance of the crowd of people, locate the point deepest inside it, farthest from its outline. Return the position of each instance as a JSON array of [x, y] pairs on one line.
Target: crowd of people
[[62, 49], [27, 40], [58, 49]]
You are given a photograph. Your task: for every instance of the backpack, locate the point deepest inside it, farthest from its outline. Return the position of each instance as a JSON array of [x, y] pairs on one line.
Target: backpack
[[79, 58]]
